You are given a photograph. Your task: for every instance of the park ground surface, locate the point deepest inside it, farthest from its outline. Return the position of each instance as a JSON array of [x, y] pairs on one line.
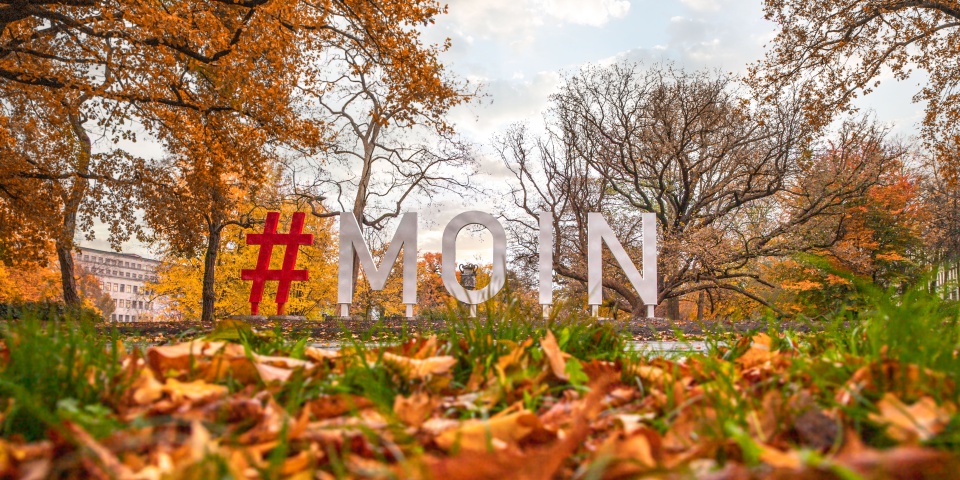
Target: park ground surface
[[871, 396]]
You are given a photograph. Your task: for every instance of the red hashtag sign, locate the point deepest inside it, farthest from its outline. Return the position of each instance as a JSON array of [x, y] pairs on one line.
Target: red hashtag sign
[[286, 274]]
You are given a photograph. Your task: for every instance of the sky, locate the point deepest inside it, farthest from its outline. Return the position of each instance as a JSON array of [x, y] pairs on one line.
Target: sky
[[519, 50]]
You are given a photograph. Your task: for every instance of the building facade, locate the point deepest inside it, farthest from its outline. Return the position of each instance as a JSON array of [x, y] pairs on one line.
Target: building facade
[[947, 281], [124, 277]]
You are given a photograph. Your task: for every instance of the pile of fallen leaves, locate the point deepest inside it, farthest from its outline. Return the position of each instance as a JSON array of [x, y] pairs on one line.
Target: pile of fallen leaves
[[427, 409]]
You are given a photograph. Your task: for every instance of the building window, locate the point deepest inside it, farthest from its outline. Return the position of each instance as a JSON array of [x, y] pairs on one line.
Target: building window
[[134, 289], [140, 302], [113, 317], [122, 286], [116, 287]]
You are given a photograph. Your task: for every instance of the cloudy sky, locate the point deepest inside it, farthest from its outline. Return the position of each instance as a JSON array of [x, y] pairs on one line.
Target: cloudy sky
[[518, 50]]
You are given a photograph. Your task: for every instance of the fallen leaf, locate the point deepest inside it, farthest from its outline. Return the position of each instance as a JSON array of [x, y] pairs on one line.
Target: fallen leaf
[[195, 391], [412, 368], [146, 388], [915, 423], [555, 357], [495, 433], [413, 410], [629, 454], [759, 352], [779, 459]]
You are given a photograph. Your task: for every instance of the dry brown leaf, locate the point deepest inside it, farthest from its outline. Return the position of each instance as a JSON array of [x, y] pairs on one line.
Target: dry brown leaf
[[330, 406], [107, 459], [146, 389], [556, 358], [269, 373], [321, 354], [413, 410], [412, 368], [495, 433], [180, 356], [272, 422], [631, 422], [540, 463], [907, 462], [629, 454], [515, 357], [195, 391], [30, 461], [759, 352], [779, 459], [915, 423]]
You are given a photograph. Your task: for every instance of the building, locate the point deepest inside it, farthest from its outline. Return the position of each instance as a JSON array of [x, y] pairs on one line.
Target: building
[[124, 276], [947, 281]]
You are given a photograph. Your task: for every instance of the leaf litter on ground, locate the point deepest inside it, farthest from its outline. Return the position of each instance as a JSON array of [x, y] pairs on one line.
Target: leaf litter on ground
[[447, 407]]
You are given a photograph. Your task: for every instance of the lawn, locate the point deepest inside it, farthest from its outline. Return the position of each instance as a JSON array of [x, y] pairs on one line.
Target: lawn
[[869, 396]]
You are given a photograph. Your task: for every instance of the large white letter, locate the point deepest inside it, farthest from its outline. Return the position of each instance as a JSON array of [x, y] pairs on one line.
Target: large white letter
[[351, 243], [449, 275], [598, 233]]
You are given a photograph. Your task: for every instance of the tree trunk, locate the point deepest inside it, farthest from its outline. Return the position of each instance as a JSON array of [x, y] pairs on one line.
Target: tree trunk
[[68, 228], [208, 294], [71, 295], [673, 308], [701, 303]]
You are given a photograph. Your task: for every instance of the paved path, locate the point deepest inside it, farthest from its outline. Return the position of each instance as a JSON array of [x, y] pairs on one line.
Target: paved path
[[653, 347], [669, 346]]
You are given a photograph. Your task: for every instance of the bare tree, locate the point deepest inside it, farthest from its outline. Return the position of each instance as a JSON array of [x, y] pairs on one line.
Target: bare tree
[[730, 180], [943, 199], [386, 148]]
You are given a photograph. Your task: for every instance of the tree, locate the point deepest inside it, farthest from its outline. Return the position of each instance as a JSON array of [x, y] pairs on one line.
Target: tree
[[731, 181], [72, 71], [221, 158], [30, 283], [143, 60], [839, 50], [209, 184], [431, 294], [52, 182], [391, 140], [942, 197]]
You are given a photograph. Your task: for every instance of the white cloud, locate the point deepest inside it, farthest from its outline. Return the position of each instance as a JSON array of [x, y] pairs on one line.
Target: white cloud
[[507, 101], [518, 20], [594, 13], [703, 5], [514, 19]]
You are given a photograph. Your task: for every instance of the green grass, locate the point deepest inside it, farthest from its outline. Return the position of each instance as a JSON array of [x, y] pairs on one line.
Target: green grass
[[58, 368]]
